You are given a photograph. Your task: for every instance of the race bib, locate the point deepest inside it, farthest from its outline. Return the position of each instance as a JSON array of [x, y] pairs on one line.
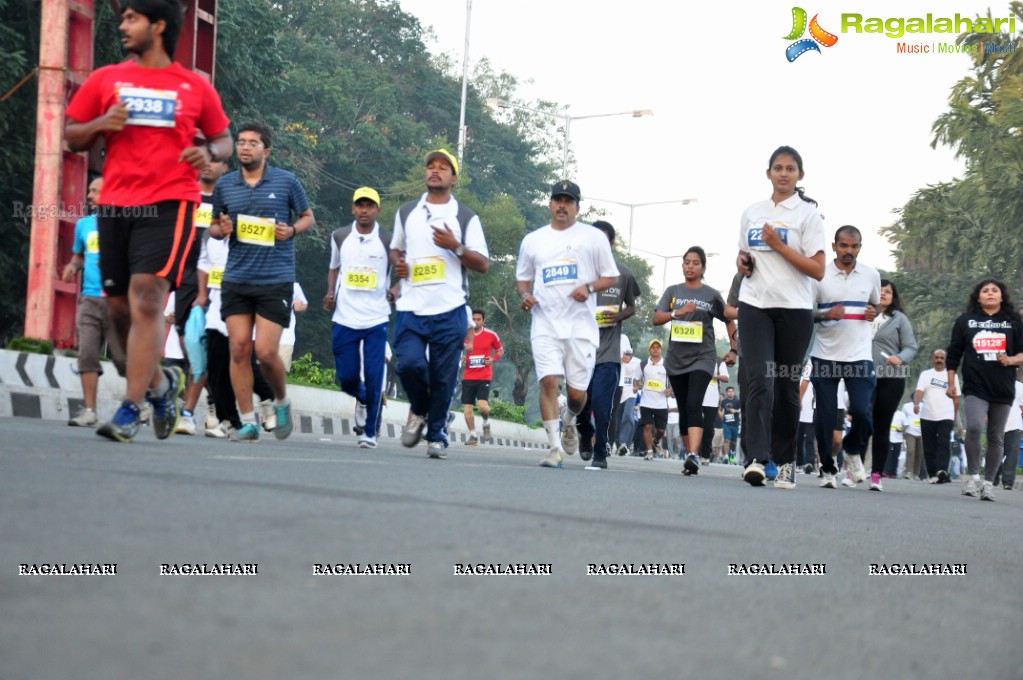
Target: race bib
[[428, 271], [988, 344], [653, 385], [755, 237], [560, 273], [215, 279], [626, 381], [729, 417], [92, 243], [149, 108], [361, 278], [606, 316], [477, 361], [895, 428], [256, 231], [937, 382], [687, 331], [203, 216], [916, 422]]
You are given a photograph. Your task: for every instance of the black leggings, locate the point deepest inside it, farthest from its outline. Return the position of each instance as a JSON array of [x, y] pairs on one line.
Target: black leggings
[[887, 396], [773, 343]]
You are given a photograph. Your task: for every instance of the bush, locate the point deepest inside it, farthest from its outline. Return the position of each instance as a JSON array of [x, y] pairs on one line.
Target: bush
[[31, 345], [307, 371], [509, 412]]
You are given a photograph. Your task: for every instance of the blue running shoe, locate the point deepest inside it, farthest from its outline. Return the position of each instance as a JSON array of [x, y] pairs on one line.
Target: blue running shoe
[[284, 423], [124, 425], [166, 410], [771, 471], [249, 432]]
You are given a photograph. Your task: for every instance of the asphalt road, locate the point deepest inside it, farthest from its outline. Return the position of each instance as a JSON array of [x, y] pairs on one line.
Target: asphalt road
[[67, 496]]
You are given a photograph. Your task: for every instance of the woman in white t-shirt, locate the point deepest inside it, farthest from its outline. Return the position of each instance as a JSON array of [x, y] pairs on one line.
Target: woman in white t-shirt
[[781, 249]]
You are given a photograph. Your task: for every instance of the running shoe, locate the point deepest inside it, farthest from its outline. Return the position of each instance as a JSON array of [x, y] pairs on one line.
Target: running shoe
[[943, 477], [218, 431], [597, 464], [570, 438], [691, 466], [786, 478], [553, 459], [413, 432], [86, 417], [186, 425], [436, 450], [124, 425], [987, 492], [473, 440], [828, 481], [367, 442], [284, 424], [487, 437], [855, 466], [269, 415], [848, 481], [360, 416], [972, 488], [211, 417], [754, 474], [585, 448], [166, 410], [875, 482], [248, 433]]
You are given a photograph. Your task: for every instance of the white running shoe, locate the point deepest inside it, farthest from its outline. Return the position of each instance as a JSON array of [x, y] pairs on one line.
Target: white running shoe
[[186, 425], [972, 488], [86, 417], [266, 409]]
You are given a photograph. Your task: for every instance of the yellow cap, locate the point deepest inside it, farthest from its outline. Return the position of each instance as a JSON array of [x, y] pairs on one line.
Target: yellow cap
[[366, 192], [446, 155], [651, 343]]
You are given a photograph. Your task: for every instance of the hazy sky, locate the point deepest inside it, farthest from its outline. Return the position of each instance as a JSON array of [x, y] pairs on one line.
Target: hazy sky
[[724, 97]]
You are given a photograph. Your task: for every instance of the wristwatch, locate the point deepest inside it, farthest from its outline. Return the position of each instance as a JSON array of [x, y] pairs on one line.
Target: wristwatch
[[212, 148], [589, 288], [460, 250]]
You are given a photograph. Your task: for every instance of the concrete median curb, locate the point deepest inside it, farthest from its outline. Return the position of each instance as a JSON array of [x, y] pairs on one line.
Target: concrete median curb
[[48, 387]]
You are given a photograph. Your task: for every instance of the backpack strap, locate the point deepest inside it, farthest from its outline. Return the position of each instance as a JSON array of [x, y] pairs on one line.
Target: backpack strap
[[465, 215]]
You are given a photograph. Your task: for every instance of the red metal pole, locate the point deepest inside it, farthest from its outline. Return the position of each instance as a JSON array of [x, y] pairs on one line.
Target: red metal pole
[[42, 271]]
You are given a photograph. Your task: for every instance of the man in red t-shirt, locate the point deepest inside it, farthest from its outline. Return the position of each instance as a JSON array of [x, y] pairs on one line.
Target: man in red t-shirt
[[148, 109], [482, 349]]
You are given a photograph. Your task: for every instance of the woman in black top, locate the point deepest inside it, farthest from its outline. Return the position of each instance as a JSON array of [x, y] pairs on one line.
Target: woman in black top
[[987, 341]]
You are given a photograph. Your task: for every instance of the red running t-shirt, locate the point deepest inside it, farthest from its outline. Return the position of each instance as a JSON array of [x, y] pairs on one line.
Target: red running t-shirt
[[482, 344], [166, 106]]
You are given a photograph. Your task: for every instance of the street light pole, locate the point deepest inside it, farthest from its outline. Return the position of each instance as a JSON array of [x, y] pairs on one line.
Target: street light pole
[[632, 208], [465, 83], [495, 104]]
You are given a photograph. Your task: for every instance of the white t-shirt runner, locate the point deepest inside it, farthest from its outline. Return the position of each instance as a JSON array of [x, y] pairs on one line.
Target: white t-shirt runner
[[557, 261], [434, 285], [775, 282], [360, 294]]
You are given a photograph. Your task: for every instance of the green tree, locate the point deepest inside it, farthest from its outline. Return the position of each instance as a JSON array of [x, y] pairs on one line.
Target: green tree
[[952, 234]]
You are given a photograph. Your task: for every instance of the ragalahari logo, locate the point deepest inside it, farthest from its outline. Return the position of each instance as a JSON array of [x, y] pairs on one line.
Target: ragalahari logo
[[819, 35]]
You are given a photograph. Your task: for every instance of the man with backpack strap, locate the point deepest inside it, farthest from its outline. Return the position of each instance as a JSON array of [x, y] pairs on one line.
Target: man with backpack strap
[[435, 241], [357, 294]]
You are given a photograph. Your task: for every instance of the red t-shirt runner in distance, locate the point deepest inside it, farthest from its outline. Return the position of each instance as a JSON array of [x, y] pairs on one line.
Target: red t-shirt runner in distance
[[484, 344], [166, 106]]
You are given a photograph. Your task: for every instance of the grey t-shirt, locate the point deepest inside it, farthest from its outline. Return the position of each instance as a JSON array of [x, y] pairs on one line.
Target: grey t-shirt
[[691, 342], [611, 301]]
